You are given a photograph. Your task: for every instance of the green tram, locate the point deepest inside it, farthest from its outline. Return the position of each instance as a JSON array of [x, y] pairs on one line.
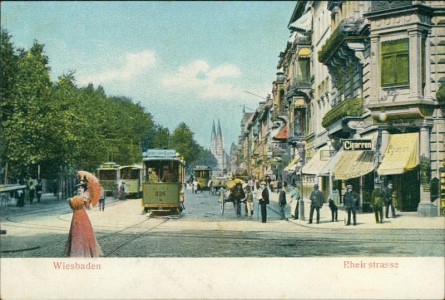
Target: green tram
[[132, 177], [162, 189], [202, 175], [108, 175]]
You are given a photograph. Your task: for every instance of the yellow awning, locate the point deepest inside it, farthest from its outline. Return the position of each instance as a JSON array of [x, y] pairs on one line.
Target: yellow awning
[[317, 162], [329, 166], [293, 162], [353, 164], [401, 155]]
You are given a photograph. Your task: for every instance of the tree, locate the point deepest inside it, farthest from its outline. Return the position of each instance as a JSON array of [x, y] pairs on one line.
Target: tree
[[182, 141], [8, 71], [23, 129], [160, 138], [205, 157]]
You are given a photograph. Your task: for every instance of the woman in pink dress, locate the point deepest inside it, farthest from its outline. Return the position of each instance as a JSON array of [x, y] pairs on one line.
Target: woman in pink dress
[[81, 240]]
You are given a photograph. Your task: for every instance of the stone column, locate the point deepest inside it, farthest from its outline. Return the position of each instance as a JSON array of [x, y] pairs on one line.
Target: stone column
[[425, 207], [415, 70], [427, 58]]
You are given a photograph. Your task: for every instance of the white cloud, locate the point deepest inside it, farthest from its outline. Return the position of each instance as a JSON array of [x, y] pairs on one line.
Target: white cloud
[[135, 65], [204, 81]]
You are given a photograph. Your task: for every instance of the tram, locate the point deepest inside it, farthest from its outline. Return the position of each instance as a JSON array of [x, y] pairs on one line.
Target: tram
[[162, 189], [131, 177], [108, 175], [202, 175]]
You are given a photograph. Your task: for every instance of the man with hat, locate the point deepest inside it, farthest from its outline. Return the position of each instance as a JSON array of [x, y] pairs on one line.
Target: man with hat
[[317, 200], [351, 203], [388, 194], [264, 201]]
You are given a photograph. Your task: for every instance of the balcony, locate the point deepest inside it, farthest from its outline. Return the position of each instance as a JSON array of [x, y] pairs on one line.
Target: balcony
[[349, 108]]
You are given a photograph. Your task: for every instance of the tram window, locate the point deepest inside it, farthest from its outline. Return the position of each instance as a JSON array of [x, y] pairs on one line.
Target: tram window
[[107, 174]]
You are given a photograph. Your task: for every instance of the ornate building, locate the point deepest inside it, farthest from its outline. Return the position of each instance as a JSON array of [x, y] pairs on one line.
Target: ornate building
[[217, 149]]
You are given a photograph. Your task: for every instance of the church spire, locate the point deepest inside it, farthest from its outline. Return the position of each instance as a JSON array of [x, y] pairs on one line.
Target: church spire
[[219, 130]]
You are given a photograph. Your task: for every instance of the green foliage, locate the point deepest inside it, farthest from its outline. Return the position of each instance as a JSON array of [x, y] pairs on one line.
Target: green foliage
[[333, 43], [182, 141], [62, 127], [425, 170], [440, 95], [160, 138], [347, 108], [206, 158]]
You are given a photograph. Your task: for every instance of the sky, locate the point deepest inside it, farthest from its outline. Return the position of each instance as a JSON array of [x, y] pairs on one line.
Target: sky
[[192, 62]]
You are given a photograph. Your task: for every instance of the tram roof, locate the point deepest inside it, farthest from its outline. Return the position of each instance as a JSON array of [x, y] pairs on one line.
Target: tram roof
[[133, 166], [202, 168]]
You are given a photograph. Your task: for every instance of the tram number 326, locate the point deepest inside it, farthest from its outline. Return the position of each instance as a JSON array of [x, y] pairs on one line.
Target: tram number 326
[[160, 193]]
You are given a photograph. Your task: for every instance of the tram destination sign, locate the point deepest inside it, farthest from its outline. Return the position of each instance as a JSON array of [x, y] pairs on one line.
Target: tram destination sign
[[352, 145], [160, 153]]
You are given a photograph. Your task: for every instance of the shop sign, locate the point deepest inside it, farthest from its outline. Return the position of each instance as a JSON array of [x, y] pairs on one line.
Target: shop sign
[[352, 145]]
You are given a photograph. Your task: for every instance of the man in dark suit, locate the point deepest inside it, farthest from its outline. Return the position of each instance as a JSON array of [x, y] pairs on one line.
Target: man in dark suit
[[317, 200], [351, 203]]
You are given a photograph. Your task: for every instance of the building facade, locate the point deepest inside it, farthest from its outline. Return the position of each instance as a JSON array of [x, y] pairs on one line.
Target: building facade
[[356, 88]]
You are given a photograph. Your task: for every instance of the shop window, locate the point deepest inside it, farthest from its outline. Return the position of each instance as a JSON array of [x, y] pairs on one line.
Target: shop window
[[395, 63]]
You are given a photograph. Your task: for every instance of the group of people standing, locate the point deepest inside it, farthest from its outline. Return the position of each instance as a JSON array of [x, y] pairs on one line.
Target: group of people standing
[[383, 197], [247, 194], [33, 190]]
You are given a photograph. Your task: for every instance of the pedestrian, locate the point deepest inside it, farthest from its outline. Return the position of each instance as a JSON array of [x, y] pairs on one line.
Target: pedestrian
[[333, 204], [282, 203], [351, 203], [258, 196], [102, 199], [317, 200], [249, 201], [279, 186], [31, 190], [264, 201], [195, 186], [295, 195], [377, 203], [82, 241], [210, 186], [388, 198], [39, 188], [239, 195], [21, 194]]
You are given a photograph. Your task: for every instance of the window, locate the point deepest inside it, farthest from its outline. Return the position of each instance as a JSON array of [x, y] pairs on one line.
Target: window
[[395, 63], [298, 116], [303, 70]]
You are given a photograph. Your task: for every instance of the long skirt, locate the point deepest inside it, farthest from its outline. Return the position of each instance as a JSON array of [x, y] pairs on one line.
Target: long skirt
[[81, 240]]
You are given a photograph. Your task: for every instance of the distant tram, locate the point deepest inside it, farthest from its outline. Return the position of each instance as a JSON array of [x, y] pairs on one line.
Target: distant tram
[[162, 189], [108, 175], [202, 175], [132, 177]]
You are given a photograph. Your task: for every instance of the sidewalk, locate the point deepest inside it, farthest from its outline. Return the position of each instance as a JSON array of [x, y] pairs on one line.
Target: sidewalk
[[404, 220], [47, 200]]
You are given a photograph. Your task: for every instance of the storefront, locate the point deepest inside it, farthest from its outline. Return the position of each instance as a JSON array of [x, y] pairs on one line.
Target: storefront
[[400, 165], [311, 171]]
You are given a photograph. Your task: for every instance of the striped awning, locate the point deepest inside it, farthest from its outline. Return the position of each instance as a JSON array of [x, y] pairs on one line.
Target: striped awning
[[353, 164], [401, 155], [317, 162]]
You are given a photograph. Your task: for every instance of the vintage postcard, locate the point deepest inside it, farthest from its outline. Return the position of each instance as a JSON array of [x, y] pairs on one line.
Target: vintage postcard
[[222, 150]]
